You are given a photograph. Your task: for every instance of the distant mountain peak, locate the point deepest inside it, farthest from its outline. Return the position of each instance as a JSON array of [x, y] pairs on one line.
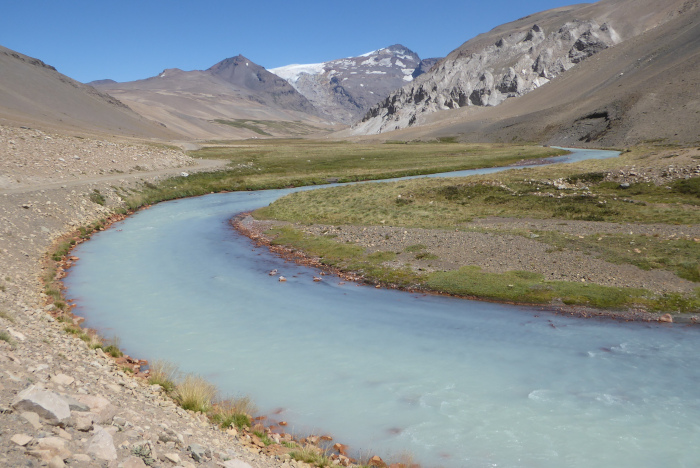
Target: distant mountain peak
[[344, 89]]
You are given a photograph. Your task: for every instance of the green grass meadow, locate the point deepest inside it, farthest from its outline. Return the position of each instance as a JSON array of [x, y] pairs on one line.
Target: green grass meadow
[[278, 163]]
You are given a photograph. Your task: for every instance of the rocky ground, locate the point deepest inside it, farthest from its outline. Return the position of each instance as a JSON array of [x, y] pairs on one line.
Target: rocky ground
[[61, 403]]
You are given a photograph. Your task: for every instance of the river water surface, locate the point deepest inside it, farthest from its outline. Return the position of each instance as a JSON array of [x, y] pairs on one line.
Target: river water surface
[[453, 382]]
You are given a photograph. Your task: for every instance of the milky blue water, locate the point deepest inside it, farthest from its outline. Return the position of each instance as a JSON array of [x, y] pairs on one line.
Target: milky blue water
[[453, 382]]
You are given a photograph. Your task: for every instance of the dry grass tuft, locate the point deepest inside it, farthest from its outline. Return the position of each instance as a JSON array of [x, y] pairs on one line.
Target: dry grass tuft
[[163, 373], [233, 412], [195, 394]]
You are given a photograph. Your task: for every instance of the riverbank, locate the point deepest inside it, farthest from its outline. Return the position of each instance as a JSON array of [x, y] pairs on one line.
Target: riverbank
[[62, 402], [454, 255]]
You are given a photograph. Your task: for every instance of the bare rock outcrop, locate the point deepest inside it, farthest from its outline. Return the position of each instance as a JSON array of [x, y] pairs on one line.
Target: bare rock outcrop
[[514, 65], [517, 58]]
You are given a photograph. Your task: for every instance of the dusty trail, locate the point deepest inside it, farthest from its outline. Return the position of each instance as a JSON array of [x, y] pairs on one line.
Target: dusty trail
[[199, 165]]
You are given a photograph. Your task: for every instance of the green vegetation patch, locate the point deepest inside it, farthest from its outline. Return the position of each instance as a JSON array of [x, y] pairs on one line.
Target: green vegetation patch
[[528, 287], [444, 203], [681, 256], [264, 127], [7, 338], [96, 197], [276, 163]]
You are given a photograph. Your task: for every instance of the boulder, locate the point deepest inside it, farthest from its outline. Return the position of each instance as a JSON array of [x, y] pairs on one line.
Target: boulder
[[46, 404]]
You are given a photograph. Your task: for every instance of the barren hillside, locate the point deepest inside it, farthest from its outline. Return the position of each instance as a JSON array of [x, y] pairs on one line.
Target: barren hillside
[[33, 93], [235, 98]]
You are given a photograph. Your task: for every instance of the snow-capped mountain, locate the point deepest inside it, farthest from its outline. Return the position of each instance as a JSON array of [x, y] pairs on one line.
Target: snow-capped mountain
[[345, 89]]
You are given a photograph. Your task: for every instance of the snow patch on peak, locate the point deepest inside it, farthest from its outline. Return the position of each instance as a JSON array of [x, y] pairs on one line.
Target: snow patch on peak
[[292, 73], [370, 53]]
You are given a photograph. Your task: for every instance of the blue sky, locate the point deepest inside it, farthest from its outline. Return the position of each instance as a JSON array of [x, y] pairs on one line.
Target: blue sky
[[129, 40]]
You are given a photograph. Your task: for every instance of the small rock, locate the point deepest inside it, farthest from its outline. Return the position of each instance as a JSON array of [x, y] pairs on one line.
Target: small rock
[[666, 318], [198, 452], [21, 439], [102, 445], [56, 462], [237, 463], [115, 388], [173, 457], [54, 446], [376, 461], [62, 379], [83, 421], [134, 462], [63, 434]]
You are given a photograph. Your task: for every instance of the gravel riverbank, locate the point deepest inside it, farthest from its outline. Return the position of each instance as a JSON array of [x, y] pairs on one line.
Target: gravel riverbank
[[61, 403], [494, 252]]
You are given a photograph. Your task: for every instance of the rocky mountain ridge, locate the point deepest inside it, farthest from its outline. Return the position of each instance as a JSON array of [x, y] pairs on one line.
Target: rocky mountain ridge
[[238, 74], [516, 58], [235, 90], [344, 89]]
